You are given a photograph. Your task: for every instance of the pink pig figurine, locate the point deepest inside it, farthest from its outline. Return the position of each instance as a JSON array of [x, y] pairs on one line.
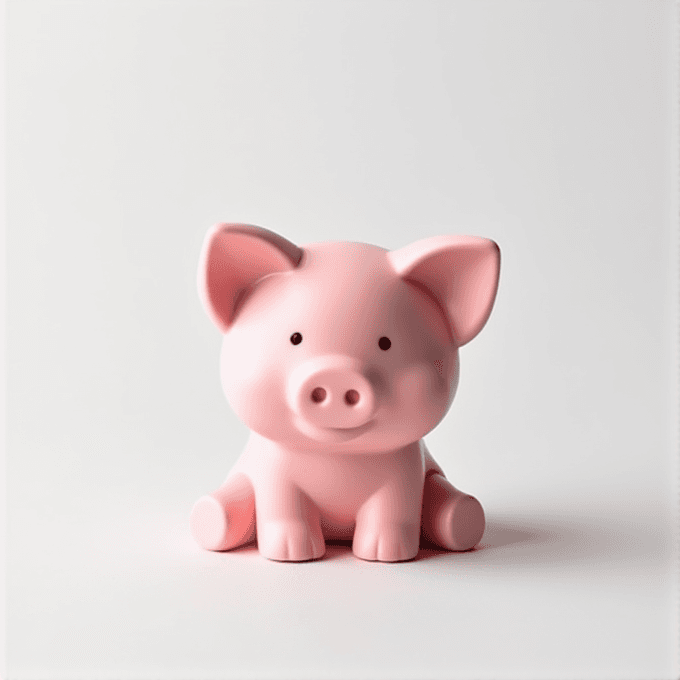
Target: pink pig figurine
[[340, 357]]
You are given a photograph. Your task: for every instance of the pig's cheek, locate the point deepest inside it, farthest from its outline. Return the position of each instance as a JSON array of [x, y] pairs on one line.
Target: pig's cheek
[[256, 398], [421, 393]]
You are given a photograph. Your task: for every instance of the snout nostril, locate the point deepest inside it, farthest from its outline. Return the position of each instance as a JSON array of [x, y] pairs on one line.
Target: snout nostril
[[318, 395], [351, 397]]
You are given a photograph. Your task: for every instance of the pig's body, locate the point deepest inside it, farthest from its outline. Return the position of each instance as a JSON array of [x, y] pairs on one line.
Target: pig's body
[[337, 485], [340, 358]]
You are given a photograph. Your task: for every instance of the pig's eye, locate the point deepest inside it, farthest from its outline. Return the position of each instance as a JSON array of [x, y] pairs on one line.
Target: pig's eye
[[296, 338], [384, 343]]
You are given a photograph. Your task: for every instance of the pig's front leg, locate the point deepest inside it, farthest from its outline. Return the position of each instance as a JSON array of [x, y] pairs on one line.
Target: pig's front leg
[[388, 524], [288, 524]]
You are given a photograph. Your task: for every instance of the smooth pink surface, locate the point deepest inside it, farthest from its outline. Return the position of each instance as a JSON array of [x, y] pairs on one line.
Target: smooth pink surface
[[337, 418]]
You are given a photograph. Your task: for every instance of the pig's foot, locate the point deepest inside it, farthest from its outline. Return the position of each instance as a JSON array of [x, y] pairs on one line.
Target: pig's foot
[[226, 518], [451, 518], [290, 541], [388, 525], [386, 543]]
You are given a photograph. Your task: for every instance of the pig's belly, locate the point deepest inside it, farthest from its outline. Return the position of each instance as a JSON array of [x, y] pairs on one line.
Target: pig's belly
[[338, 508], [337, 527], [339, 501]]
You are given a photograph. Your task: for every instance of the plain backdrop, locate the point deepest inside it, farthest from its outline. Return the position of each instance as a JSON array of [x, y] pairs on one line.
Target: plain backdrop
[[548, 126]]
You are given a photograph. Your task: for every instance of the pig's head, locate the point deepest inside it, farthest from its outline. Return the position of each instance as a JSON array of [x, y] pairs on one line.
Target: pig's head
[[343, 347]]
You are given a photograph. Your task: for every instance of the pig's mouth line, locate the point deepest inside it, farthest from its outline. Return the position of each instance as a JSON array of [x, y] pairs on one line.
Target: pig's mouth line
[[344, 433], [358, 428]]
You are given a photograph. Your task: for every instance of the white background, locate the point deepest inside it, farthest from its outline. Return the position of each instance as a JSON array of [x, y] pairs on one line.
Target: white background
[[547, 126]]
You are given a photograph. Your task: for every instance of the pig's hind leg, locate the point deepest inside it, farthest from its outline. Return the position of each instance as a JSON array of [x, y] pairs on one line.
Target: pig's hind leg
[[452, 519], [225, 519]]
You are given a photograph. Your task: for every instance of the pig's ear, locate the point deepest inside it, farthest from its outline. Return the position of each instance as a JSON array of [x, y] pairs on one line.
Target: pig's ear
[[459, 272], [234, 257]]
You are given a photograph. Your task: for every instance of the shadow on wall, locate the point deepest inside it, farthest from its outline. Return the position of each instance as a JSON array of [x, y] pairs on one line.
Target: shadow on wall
[[590, 541]]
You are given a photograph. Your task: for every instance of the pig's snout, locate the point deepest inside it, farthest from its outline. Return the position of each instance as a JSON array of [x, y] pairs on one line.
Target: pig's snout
[[331, 392]]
